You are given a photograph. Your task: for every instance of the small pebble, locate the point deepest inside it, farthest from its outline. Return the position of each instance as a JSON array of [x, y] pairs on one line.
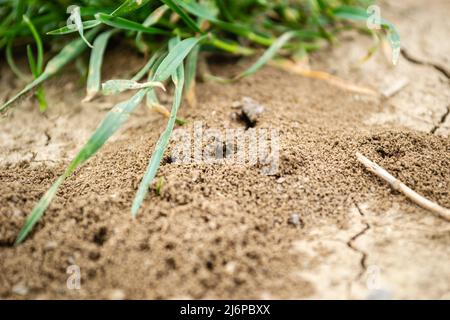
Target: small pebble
[[294, 219], [50, 245], [20, 289], [281, 180], [230, 267]]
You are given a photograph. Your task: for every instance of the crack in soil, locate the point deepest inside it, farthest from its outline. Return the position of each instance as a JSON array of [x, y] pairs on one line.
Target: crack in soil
[[48, 138], [415, 60], [364, 255], [441, 121], [438, 68]]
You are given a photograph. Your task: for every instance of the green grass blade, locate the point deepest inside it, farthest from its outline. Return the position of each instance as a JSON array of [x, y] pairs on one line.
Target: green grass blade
[[175, 57], [38, 210], [110, 124], [42, 101], [39, 46], [159, 186], [264, 59], [228, 46], [122, 23], [111, 87], [268, 54], [174, 5], [152, 99], [32, 61], [202, 12], [129, 6], [95, 65], [89, 24], [178, 80], [67, 54], [36, 67], [224, 10], [350, 13]]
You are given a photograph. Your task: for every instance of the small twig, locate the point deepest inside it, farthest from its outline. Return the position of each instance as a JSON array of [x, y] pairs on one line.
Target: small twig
[[399, 186]]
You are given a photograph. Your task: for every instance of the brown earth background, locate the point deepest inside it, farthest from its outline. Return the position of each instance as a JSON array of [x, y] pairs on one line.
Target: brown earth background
[[223, 231]]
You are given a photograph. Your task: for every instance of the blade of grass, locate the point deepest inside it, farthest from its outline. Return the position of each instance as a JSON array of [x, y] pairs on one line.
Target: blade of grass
[[42, 101], [174, 5], [67, 54], [122, 23], [228, 46], [152, 101], [175, 57], [268, 54], [264, 59], [129, 6], [39, 210], [178, 80], [36, 67], [224, 10], [89, 24], [159, 186], [111, 87], [32, 61], [95, 65], [239, 29], [39, 46]]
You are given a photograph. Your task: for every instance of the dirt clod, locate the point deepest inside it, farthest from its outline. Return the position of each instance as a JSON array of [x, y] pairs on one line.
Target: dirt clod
[[251, 110]]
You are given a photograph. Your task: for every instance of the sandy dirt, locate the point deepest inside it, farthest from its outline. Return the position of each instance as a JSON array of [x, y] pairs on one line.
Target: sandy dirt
[[226, 231]]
